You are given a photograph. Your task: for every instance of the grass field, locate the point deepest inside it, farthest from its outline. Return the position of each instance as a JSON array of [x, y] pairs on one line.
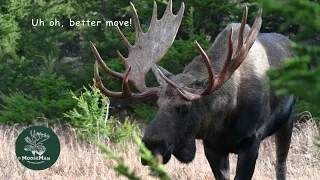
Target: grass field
[[79, 160]]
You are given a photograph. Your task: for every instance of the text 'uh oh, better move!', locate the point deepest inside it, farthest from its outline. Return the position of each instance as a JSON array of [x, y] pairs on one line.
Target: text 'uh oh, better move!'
[[76, 23]]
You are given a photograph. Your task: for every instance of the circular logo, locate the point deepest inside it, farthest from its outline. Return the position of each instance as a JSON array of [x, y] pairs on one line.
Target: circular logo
[[37, 147]]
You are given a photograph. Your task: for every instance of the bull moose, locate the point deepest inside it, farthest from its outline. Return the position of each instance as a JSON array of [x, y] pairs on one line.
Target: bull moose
[[231, 111]]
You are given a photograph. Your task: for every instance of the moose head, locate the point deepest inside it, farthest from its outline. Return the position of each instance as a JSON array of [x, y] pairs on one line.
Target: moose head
[[198, 103]]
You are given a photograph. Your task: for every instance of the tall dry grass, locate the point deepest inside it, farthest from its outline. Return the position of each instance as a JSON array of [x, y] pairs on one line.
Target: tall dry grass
[[79, 160]]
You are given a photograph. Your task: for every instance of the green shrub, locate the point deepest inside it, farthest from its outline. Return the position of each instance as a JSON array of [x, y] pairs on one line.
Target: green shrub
[[121, 131], [48, 97], [296, 77], [53, 93], [300, 75], [91, 117], [145, 112], [20, 108], [303, 106]]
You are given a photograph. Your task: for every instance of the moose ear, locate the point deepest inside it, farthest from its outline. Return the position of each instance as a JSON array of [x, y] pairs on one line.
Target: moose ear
[[155, 71]]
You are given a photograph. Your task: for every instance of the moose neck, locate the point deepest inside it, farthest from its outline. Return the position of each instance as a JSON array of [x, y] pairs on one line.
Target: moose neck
[[215, 111]]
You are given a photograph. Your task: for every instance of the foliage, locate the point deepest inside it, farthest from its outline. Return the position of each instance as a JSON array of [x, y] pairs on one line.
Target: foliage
[[156, 169], [213, 16], [29, 59], [28, 52], [91, 117], [45, 62], [52, 91], [296, 76], [145, 112], [299, 75], [9, 34], [19, 107], [121, 130], [303, 106], [50, 100]]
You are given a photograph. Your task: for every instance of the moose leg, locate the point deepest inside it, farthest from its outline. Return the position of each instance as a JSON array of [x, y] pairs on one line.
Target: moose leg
[[219, 163], [247, 160], [283, 139]]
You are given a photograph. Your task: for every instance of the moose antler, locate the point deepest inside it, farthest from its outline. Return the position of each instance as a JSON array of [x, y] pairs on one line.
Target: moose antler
[[148, 49], [231, 63], [36, 137]]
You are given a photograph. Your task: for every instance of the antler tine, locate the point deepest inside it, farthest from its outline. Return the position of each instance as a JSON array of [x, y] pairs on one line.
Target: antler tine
[[242, 53], [126, 92], [124, 39], [209, 66], [136, 20], [121, 57], [224, 73], [171, 83], [101, 86], [125, 84], [103, 65], [154, 12], [154, 16], [181, 10], [215, 81], [254, 30], [243, 25], [169, 7]]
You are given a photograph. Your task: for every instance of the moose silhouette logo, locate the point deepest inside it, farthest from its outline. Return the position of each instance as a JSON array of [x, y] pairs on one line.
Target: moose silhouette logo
[[35, 144], [37, 147]]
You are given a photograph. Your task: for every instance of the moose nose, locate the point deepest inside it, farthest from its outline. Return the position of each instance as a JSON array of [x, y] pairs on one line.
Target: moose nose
[[156, 145], [159, 159], [153, 143]]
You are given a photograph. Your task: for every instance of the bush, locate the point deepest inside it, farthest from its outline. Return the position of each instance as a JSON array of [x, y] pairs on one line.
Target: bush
[[20, 108], [91, 117], [296, 77], [49, 98], [299, 75], [145, 112], [53, 93]]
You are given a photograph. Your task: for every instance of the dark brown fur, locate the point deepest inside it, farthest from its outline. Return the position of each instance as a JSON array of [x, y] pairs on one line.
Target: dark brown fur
[[233, 119]]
